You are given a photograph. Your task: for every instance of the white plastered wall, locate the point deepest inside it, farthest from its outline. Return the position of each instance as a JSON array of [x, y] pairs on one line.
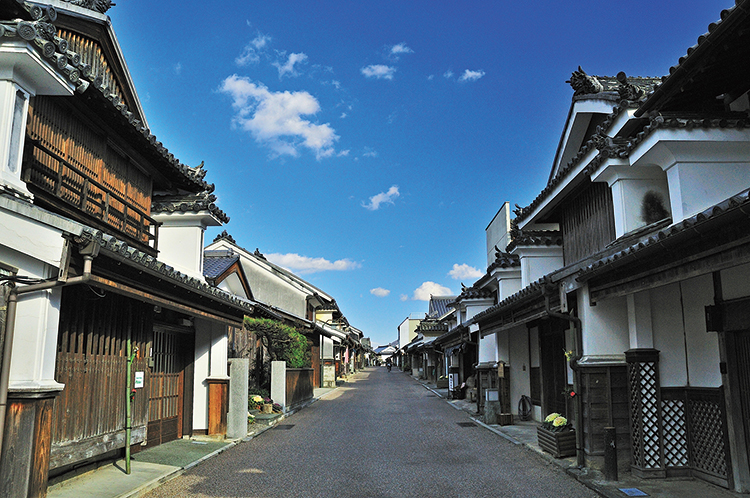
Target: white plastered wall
[[517, 340], [688, 354], [35, 249], [703, 166], [604, 326], [736, 282], [210, 362]]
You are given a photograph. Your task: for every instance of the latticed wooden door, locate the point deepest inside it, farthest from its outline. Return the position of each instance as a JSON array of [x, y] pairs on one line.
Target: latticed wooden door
[[554, 375], [165, 388]]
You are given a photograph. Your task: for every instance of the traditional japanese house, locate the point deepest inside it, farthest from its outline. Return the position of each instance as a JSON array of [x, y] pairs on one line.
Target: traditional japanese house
[[292, 300], [100, 258], [636, 301]]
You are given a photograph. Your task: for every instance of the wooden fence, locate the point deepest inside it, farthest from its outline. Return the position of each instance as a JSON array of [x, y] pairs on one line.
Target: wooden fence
[[299, 386]]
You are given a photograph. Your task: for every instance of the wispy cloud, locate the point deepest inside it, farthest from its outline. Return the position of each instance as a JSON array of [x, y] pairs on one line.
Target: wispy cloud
[[464, 271], [370, 152], [305, 265], [287, 68], [448, 74], [470, 75], [404, 297], [252, 51], [382, 198], [275, 120], [379, 291], [178, 68], [399, 49], [427, 289], [379, 71]]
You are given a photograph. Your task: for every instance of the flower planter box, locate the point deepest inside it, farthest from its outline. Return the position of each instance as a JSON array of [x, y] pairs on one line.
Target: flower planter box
[[558, 444]]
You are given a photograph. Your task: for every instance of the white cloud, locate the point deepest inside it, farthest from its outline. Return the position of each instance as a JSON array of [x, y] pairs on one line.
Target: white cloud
[[275, 118], [404, 297], [251, 53], [260, 41], [382, 198], [343, 153], [178, 68], [379, 71], [448, 74], [379, 291], [303, 264], [464, 271], [401, 48], [471, 75], [369, 152], [288, 67], [427, 289]]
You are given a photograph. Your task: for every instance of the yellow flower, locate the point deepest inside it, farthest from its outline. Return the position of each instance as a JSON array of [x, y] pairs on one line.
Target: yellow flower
[[551, 417], [560, 422], [257, 398]]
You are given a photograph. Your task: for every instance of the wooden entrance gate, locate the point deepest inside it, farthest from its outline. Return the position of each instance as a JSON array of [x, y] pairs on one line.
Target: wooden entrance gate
[[88, 418], [167, 383], [554, 374]]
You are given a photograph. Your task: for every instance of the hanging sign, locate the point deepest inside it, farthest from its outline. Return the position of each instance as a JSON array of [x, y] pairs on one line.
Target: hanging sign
[[138, 380]]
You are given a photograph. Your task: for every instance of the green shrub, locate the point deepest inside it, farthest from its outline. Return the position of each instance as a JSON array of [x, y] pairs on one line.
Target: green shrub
[[284, 343]]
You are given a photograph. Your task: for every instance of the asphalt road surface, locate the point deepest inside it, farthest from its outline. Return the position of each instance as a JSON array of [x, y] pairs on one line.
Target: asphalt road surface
[[381, 435]]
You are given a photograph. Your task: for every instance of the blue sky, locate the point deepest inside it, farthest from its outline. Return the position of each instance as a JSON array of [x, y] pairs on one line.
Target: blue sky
[[366, 145]]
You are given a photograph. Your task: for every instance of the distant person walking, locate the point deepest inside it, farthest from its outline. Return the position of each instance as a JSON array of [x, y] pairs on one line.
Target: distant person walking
[[388, 364]]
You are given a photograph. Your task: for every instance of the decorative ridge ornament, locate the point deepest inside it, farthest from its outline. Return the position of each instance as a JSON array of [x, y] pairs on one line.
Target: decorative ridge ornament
[[225, 235], [100, 6], [629, 91], [583, 84]]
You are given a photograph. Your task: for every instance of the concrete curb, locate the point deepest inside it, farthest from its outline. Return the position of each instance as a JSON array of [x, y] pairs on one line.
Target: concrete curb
[[146, 487]]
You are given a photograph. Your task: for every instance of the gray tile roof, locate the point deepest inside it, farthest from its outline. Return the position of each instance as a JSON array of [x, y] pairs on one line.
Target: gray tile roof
[[217, 262], [439, 305]]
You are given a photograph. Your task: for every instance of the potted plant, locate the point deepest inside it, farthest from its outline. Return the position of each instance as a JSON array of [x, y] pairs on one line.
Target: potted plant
[[556, 436], [267, 405], [255, 402]]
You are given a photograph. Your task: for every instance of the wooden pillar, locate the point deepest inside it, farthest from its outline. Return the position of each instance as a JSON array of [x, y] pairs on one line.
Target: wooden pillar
[[26, 446], [218, 405]]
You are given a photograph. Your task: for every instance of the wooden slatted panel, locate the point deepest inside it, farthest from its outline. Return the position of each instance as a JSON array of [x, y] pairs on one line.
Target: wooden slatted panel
[[742, 352], [80, 166], [92, 54], [91, 362], [587, 222], [299, 386], [165, 391]]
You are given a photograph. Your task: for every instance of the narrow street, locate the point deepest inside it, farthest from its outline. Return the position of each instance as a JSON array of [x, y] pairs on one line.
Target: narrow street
[[381, 435]]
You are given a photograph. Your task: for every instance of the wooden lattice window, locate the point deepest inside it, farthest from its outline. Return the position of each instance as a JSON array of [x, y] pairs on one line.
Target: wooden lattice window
[[588, 222], [84, 168]]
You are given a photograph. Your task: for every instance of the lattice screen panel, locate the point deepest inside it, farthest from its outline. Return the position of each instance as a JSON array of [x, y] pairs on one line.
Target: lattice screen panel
[[644, 414], [675, 433], [708, 450]]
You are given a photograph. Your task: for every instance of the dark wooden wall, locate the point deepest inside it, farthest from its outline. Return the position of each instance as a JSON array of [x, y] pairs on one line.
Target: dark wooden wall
[[76, 165], [89, 415], [299, 385], [587, 222], [604, 392]]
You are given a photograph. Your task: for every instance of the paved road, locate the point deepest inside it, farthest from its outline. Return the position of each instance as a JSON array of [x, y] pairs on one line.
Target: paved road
[[382, 435]]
